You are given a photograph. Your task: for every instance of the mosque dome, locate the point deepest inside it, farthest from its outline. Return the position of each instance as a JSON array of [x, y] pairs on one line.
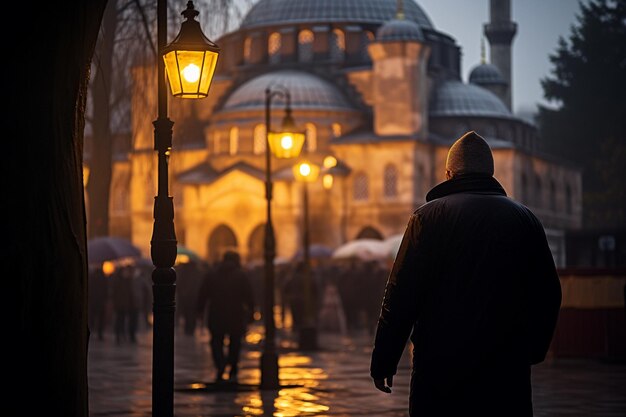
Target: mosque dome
[[307, 91], [454, 98], [486, 74], [399, 30], [281, 12]]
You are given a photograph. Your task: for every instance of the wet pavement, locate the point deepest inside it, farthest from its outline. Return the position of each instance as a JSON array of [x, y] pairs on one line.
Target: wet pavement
[[333, 381]]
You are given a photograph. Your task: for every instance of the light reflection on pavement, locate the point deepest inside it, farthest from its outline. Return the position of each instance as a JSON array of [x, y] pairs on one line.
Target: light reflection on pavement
[[331, 382]]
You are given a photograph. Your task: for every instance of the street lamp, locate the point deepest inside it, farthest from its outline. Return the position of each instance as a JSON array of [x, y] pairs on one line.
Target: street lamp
[[190, 59], [286, 143], [307, 172]]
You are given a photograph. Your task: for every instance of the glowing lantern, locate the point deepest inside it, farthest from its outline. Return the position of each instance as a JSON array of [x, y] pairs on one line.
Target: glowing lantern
[[306, 171], [289, 141], [190, 59]]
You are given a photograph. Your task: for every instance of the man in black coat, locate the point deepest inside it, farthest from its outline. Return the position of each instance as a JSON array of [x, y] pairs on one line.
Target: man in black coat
[[475, 287], [228, 292]]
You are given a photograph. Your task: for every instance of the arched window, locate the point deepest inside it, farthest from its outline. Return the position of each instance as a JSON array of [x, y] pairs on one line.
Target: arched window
[[234, 140], [552, 196], [247, 50], [311, 137], [368, 37], [337, 45], [273, 48], [336, 130], [305, 45], [390, 186], [219, 147], [360, 191], [260, 141], [221, 240]]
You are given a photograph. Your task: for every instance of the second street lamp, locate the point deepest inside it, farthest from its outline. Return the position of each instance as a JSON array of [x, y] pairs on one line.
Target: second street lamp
[[286, 143], [306, 172], [191, 60]]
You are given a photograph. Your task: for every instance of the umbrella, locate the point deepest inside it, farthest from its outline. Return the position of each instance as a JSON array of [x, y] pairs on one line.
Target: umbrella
[[185, 255], [316, 251], [110, 248], [393, 244], [363, 249]]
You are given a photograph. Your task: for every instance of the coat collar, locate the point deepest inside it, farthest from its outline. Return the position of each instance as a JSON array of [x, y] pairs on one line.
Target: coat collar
[[466, 183]]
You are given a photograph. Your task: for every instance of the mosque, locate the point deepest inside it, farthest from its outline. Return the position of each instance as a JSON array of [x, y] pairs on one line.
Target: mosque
[[376, 86]]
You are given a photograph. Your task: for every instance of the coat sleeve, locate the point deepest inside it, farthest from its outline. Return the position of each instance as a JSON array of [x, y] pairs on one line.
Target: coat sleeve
[[400, 303], [543, 295]]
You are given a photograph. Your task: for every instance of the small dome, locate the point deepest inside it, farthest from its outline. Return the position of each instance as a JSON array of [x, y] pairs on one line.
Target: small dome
[[399, 30], [454, 98], [281, 12], [486, 74], [307, 92]]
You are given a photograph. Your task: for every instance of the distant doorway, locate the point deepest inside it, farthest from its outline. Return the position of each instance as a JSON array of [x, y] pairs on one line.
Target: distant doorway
[[255, 244], [222, 239]]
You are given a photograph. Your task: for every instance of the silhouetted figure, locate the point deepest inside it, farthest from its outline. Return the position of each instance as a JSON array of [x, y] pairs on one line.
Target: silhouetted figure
[[374, 277], [126, 294], [97, 301], [188, 282], [228, 293], [348, 287], [475, 283], [298, 294]]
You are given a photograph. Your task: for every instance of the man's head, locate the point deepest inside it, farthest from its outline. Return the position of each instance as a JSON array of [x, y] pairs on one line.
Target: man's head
[[470, 154], [232, 257]]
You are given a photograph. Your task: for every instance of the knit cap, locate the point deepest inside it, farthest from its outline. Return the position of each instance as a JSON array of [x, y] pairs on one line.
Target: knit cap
[[470, 154]]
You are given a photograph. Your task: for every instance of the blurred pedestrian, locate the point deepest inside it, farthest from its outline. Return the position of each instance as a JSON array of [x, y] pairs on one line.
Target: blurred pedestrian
[[475, 285], [227, 300], [97, 300], [126, 294], [188, 282]]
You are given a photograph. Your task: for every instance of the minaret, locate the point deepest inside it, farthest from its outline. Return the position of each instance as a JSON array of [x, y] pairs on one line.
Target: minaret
[[500, 32]]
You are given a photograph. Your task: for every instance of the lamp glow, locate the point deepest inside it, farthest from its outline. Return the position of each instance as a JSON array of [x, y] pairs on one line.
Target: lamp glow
[[191, 73], [305, 169], [286, 142]]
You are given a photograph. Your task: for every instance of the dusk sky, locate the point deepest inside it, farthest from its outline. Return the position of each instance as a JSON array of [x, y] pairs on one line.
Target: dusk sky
[[540, 23]]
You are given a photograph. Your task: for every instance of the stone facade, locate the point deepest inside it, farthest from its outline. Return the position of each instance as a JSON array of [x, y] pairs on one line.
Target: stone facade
[[386, 107]]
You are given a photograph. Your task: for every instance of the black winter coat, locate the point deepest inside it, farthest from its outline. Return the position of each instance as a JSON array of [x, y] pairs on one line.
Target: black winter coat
[[475, 286], [228, 292]]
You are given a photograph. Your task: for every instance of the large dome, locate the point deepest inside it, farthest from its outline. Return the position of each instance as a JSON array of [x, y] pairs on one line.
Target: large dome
[[453, 98], [280, 12], [307, 92]]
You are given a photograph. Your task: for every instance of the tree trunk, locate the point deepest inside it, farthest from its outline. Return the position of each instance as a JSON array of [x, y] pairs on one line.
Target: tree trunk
[[47, 261], [99, 183]]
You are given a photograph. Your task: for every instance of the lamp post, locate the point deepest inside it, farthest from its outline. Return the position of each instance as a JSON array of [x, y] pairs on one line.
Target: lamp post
[[190, 59], [307, 172], [284, 144]]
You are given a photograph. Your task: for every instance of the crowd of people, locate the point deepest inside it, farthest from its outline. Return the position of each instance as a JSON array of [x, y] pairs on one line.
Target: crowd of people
[[345, 295]]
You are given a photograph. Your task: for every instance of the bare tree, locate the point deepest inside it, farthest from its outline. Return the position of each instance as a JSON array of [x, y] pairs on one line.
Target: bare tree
[[127, 38]]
